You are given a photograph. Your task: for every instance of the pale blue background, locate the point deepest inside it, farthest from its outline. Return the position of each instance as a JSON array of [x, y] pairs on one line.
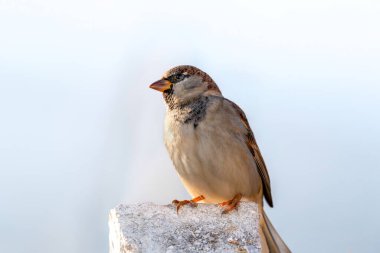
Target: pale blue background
[[81, 132]]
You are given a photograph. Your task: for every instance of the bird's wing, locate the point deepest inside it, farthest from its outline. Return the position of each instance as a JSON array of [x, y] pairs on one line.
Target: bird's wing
[[255, 151]]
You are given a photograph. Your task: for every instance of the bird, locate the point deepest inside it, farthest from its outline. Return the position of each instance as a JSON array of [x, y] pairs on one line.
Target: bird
[[213, 148]]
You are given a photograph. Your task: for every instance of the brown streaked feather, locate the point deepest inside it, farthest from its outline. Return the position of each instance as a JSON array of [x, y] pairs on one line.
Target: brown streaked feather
[[255, 151]]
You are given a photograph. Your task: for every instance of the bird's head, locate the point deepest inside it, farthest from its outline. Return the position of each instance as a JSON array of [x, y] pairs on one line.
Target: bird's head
[[185, 83]]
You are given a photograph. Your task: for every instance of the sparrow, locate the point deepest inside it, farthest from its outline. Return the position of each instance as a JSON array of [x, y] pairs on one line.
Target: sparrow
[[213, 148]]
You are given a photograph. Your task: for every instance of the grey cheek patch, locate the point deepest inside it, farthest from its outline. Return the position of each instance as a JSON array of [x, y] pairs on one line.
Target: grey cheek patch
[[191, 85], [192, 82]]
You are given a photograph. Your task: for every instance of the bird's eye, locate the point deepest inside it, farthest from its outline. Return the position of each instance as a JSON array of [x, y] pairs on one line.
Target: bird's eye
[[177, 78]]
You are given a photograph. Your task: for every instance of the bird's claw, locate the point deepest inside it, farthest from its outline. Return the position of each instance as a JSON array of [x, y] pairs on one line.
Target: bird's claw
[[232, 204], [182, 203], [192, 203]]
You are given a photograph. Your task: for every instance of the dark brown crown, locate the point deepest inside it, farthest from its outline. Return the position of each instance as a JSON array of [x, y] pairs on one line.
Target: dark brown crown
[[191, 70]]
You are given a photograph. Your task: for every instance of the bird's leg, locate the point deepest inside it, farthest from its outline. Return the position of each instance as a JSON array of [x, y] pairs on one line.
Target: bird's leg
[[224, 203], [231, 204], [192, 202]]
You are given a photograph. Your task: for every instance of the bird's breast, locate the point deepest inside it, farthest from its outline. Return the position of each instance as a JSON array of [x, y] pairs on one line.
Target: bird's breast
[[210, 159]]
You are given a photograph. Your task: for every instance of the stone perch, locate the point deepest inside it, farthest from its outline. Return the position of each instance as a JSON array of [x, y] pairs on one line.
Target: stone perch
[[156, 228]]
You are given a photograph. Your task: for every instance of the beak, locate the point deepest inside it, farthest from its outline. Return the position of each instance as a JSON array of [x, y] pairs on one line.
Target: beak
[[161, 85]]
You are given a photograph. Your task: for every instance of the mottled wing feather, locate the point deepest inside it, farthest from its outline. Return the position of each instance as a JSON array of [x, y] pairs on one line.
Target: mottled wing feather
[[255, 151]]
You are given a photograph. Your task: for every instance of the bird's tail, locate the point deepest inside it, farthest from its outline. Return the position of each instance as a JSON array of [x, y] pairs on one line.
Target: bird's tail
[[273, 240]]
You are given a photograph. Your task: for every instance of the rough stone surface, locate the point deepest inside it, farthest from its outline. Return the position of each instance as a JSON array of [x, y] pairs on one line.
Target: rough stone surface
[[149, 227]]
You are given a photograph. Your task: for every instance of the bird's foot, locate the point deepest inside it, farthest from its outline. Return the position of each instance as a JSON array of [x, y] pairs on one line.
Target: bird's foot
[[192, 203], [231, 204]]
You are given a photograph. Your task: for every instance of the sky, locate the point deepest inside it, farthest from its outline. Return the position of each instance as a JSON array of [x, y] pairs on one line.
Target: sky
[[81, 131]]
